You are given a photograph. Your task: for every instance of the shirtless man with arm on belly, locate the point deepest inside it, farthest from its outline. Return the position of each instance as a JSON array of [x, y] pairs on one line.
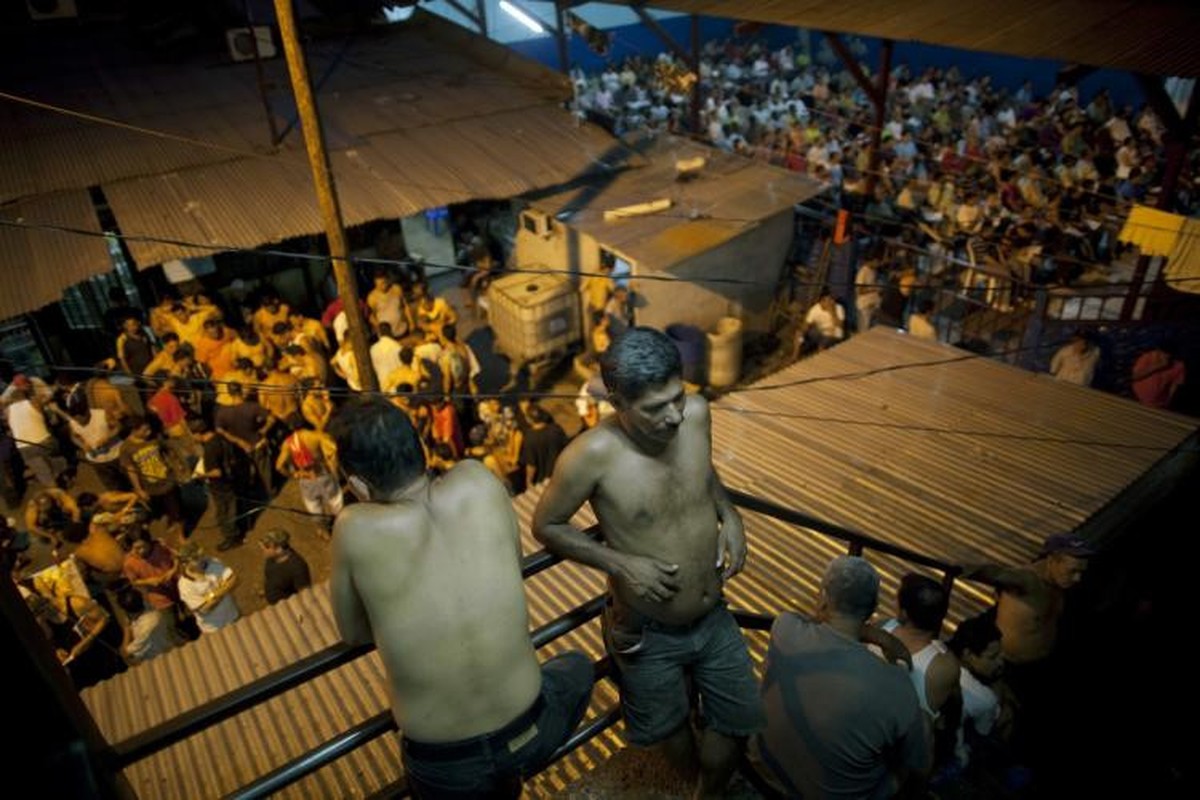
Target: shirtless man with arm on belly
[[430, 570], [671, 539]]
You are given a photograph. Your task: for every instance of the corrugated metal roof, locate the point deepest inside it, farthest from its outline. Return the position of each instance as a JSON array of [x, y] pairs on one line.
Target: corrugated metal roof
[[963, 459], [416, 116], [1157, 38], [1028, 459], [729, 196], [249, 202], [23, 250]]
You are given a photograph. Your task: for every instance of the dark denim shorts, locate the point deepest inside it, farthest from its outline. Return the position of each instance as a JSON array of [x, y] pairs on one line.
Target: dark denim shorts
[[655, 661], [494, 764]]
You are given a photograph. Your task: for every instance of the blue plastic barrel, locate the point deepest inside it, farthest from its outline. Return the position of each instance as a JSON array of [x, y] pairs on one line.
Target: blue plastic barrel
[[691, 342]]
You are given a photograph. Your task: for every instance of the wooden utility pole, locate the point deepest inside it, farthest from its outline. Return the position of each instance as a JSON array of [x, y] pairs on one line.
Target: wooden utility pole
[[318, 158]]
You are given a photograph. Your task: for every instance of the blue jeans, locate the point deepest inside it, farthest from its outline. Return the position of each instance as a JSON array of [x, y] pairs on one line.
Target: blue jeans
[[656, 661], [493, 765]]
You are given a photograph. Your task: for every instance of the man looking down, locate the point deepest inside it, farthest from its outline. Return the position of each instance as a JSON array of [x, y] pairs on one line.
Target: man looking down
[[431, 571]]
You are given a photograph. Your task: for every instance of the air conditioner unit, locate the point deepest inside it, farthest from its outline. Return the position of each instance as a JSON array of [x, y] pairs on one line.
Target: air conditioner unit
[[241, 46], [51, 9], [537, 223]]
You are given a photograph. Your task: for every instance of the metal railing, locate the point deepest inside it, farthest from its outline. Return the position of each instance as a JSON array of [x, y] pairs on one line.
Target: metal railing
[[170, 732]]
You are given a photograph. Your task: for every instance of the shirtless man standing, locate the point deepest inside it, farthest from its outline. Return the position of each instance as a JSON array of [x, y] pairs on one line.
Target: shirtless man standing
[[671, 539], [431, 571], [1029, 607], [1030, 599]]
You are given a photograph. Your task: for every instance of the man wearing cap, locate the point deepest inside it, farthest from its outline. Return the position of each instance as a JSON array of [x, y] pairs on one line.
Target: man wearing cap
[[1030, 599], [204, 587], [430, 569], [1029, 606], [285, 571]]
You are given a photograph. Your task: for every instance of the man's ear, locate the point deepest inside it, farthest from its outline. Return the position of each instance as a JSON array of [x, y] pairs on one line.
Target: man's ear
[[821, 614]]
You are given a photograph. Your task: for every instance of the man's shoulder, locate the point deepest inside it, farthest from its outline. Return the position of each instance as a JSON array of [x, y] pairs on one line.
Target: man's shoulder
[[599, 443], [467, 477]]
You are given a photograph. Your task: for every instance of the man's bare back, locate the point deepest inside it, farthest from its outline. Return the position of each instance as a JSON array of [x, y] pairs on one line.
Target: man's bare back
[[435, 578], [1027, 616]]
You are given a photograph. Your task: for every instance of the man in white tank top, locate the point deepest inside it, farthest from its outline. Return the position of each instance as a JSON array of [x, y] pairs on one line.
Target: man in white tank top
[[922, 605]]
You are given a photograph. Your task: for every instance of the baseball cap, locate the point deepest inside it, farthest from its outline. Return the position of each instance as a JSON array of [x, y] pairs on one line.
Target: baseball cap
[[1067, 544], [21, 381]]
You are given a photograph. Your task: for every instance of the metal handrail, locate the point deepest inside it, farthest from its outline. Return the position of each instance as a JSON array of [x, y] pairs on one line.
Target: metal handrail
[[855, 540], [384, 722], [219, 709]]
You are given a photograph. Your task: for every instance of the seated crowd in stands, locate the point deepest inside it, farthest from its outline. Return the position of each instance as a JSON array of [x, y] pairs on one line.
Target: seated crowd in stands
[[1031, 188]]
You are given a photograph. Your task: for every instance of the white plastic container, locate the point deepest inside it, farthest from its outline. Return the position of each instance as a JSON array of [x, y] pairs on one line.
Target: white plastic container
[[533, 314], [725, 353]]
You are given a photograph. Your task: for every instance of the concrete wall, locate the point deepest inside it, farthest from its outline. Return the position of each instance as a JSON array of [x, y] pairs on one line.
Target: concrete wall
[[757, 255]]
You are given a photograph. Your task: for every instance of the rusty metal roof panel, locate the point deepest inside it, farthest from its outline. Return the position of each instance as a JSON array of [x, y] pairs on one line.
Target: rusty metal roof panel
[[963, 457], [255, 201], [418, 116], [1157, 38], [41, 262], [728, 197]]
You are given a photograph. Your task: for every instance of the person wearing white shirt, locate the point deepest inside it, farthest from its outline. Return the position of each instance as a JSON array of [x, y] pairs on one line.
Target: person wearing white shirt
[[824, 325], [204, 587], [1075, 362], [868, 297], [385, 353], [976, 643]]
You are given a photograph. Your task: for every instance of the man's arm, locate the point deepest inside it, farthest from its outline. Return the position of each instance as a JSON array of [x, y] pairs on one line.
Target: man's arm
[[731, 542], [892, 648], [283, 464], [67, 502], [941, 680], [348, 610], [1009, 579], [228, 581], [576, 476]]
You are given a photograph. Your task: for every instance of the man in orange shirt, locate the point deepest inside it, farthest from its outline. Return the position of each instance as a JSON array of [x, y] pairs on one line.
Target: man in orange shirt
[[214, 349]]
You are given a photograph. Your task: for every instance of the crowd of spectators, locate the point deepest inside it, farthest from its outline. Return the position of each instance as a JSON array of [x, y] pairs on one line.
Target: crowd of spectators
[[208, 408], [1034, 186]]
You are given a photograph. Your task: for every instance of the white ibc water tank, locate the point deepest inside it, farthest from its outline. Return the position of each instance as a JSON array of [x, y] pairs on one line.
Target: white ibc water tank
[[533, 314], [725, 353]]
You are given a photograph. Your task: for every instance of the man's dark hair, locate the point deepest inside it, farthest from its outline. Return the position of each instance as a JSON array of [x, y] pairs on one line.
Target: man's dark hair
[[639, 359], [974, 635], [377, 442], [923, 601], [169, 336], [406, 354], [450, 332], [131, 602], [385, 329]]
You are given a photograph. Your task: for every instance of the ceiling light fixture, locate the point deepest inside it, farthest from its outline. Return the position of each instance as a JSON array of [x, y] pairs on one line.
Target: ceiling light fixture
[[522, 16]]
